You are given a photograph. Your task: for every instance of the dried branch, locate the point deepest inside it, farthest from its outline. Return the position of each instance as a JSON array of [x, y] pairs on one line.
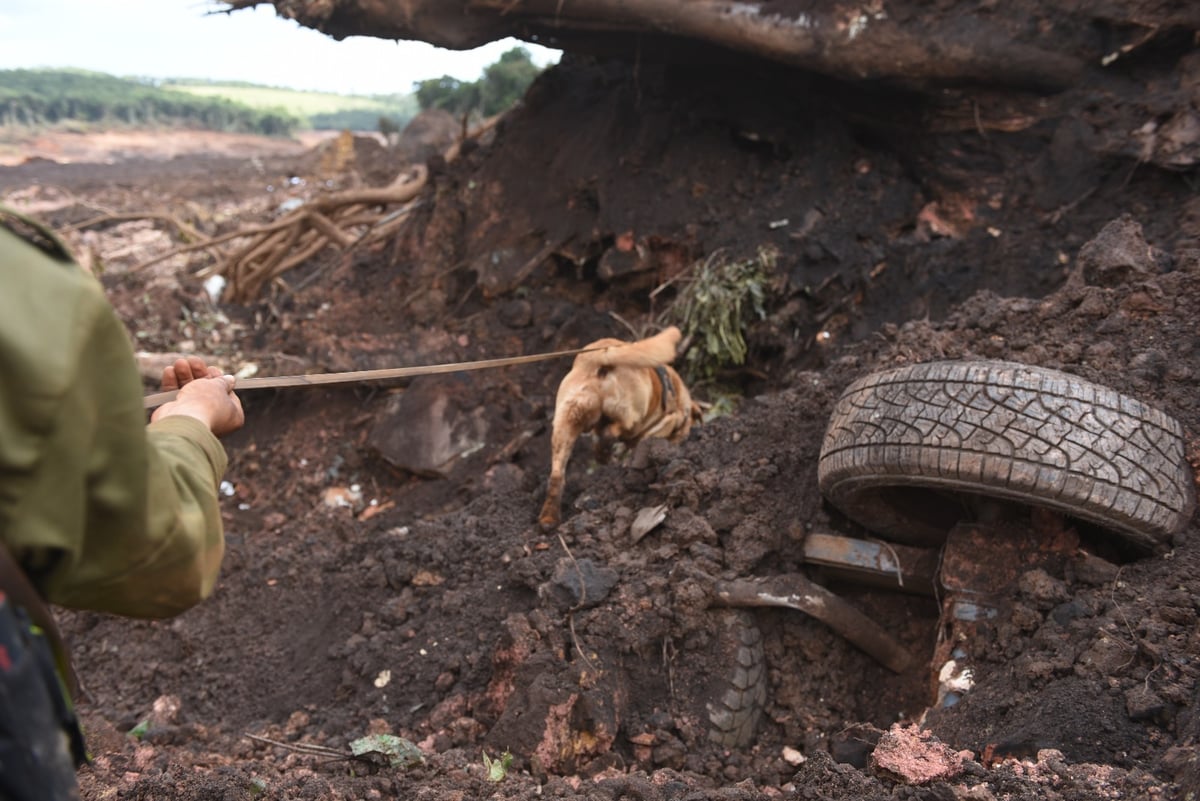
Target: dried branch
[[345, 220]]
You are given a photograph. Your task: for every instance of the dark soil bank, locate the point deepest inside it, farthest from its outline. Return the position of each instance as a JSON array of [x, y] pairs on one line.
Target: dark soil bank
[[435, 609]]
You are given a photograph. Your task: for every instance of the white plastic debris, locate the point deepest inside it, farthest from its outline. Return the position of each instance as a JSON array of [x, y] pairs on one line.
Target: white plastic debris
[[647, 519], [214, 285], [954, 680]]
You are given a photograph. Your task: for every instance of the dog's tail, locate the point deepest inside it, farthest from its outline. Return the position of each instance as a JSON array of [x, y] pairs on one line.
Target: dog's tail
[[651, 352]]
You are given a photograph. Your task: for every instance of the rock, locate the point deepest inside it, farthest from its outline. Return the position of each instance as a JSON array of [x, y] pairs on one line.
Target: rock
[[434, 424], [1042, 589], [517, 313], [908, 755], [1093, 570], [166, 710], [1119, 254], [1142, 703], [579, 583], [618, 263], [429, 133]]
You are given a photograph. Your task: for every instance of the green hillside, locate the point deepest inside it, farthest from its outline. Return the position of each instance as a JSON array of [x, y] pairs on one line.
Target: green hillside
[[323, 110], [31, 98], [35, 98]]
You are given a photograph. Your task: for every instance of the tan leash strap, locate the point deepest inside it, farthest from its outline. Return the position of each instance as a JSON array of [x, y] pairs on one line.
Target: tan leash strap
[[159, 398]]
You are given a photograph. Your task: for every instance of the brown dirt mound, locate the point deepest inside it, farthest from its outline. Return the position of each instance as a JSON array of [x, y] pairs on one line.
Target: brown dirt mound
[[434, 609]]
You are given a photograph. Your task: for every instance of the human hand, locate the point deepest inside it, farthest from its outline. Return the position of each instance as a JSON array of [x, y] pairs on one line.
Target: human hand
[[184, 371], [204, 393]]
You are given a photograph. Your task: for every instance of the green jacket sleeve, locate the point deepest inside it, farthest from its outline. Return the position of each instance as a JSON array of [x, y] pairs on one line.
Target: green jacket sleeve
[[113, 515]]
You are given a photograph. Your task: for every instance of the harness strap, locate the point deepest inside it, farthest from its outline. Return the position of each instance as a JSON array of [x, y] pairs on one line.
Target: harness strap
[[667, 385], [16, 586]]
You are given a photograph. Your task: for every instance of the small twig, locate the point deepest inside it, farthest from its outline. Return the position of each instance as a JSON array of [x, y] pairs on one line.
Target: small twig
[[578, 647], [582, 599], [188, 230], [578, 570], [310, 749], [217, 240], [629, 326], [1112, 596], [491, 122], [978, 121]]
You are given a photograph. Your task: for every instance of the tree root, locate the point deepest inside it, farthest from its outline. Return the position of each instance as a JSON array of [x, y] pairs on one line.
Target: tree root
[[347, 220]]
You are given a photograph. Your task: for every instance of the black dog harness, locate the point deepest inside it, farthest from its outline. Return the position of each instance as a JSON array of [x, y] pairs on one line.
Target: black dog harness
[[668, 387]]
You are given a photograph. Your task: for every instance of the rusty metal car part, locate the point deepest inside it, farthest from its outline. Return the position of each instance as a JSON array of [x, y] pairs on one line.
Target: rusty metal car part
[[908, 451], [794, 591], [874, 562]]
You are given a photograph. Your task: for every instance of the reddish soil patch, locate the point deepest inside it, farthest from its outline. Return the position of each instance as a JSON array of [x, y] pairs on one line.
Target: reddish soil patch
[[107, 147], [448, 618]]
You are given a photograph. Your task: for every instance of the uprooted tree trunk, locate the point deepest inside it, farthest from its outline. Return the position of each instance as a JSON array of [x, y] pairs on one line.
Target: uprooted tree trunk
[[1035, 43], [965, 51]]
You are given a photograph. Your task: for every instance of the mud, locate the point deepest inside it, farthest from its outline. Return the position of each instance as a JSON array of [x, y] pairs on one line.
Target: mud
[[436, 610]]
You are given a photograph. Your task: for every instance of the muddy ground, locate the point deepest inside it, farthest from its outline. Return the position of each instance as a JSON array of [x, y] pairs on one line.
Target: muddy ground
[[434, 609]]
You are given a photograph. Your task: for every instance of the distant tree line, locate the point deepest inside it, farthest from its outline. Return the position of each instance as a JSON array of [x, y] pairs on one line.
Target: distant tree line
[[356, 119], [33, 98], [503, 84], [46, 97], [397, 108]]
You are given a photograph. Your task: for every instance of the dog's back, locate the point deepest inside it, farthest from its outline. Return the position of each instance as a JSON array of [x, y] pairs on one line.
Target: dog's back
[[622, 391]]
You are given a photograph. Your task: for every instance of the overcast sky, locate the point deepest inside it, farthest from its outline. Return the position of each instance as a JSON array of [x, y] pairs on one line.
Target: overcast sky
[[179, 39]]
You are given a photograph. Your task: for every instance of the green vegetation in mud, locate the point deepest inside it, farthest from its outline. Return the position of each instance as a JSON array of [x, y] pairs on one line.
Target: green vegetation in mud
[[718, 298], [41, 98]]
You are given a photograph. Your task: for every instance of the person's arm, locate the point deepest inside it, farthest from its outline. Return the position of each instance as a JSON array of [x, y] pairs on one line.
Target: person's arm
[[145, 499]]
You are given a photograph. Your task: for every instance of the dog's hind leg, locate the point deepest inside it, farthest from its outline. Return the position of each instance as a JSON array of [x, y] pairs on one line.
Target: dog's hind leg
[[568, 425]]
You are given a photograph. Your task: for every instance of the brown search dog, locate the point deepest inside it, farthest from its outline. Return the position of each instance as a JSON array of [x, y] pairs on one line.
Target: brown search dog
[[625, 392]]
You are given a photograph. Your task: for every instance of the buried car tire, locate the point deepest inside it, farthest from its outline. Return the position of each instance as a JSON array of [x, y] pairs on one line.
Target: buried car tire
[[907, 449], [738, 692]]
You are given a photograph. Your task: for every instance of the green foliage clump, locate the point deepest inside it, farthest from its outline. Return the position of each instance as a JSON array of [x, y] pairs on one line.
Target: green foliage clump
[[503, 83], [714, 306], [497, 769], [450, 94]]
